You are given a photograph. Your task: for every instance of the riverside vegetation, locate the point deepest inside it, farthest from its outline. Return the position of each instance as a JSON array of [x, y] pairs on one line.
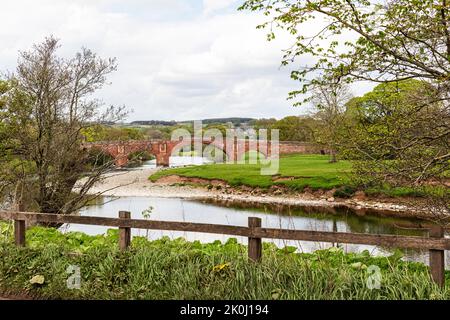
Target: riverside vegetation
[[177, 269], [297, 172], [307, 170]]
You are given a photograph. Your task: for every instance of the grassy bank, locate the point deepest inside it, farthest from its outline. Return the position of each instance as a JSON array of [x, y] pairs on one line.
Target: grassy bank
[[176, 269], [313, 171], [296, 172]]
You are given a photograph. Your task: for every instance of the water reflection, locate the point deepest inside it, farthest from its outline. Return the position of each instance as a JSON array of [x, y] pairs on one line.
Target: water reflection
[[229, 213], [174, 162]]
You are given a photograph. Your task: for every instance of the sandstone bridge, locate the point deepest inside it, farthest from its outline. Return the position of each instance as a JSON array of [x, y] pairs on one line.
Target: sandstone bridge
[[163, 149]]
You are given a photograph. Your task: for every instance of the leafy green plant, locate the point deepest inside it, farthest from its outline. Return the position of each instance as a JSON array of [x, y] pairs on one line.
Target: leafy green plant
[[146, 215], [178, 269]]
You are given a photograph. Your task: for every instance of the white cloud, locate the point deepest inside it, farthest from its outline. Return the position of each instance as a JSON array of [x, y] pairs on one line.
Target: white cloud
[[177, 59], [211, 6]]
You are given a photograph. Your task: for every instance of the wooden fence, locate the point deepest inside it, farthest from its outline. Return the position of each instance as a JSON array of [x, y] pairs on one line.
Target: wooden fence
[[436, 243]]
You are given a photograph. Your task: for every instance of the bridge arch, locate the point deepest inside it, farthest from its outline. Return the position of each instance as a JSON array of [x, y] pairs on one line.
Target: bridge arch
[[190, 145], [163, 149]]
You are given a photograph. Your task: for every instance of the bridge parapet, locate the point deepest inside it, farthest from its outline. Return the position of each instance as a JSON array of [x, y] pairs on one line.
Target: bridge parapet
[[163, 149]]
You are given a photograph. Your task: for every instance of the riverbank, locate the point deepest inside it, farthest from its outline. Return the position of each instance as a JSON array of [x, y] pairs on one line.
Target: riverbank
[[178, 269], [135, 183]]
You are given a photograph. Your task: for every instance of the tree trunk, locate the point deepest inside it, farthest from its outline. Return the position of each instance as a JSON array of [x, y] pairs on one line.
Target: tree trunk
[[333, 158]]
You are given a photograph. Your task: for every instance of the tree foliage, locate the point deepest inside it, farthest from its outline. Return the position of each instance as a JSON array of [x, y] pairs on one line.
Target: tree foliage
[[364, 39], [396, 138], [398, 132], [330, 104], [99, 132], [292, 128], [46, 104], [402, 138]]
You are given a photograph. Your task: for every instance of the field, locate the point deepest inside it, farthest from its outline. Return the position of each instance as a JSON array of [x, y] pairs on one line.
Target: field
[[176, 269], [296, 172], [313, 171]]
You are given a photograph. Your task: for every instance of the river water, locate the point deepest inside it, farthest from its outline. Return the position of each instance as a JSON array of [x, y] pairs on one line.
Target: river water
[[236, 214], [176, 162]]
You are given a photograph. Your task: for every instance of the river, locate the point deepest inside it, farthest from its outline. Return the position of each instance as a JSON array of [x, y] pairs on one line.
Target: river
[[237, 213], [298, 218]]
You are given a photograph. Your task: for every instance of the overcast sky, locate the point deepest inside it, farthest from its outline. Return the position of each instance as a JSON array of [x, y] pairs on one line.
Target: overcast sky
[[178, 59]]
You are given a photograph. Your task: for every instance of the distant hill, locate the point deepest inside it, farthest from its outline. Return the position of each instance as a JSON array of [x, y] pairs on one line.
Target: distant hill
[[235, 120], [153, 123]]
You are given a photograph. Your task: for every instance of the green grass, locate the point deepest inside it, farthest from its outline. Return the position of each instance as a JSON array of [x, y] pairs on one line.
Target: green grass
[[176, 269], [312, 171]]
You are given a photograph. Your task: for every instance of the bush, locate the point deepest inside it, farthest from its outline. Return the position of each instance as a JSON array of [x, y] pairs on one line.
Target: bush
[[140, 156], [344, 192], [98, 158]]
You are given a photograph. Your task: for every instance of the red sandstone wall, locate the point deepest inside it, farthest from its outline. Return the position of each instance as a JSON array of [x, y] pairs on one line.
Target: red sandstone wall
[[163, 149]]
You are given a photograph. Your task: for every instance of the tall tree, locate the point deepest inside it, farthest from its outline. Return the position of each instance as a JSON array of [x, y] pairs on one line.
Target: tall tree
[[379, 41], [330, 104], [395, 137], [47, 105], [295, 128], [394, 122]]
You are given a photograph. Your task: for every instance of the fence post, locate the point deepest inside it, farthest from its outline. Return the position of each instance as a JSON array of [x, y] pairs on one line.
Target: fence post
[[125, 232], [19, 232], [437, 265], [254, 244]]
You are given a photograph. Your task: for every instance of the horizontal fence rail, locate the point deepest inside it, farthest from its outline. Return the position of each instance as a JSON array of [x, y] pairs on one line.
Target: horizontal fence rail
[[436, 243]]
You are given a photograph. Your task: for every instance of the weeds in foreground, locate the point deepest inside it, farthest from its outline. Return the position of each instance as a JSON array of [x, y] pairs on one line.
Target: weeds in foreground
[[177, 269]]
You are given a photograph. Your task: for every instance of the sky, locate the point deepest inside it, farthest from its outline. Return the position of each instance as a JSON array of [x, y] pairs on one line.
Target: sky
[[177, 59]]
